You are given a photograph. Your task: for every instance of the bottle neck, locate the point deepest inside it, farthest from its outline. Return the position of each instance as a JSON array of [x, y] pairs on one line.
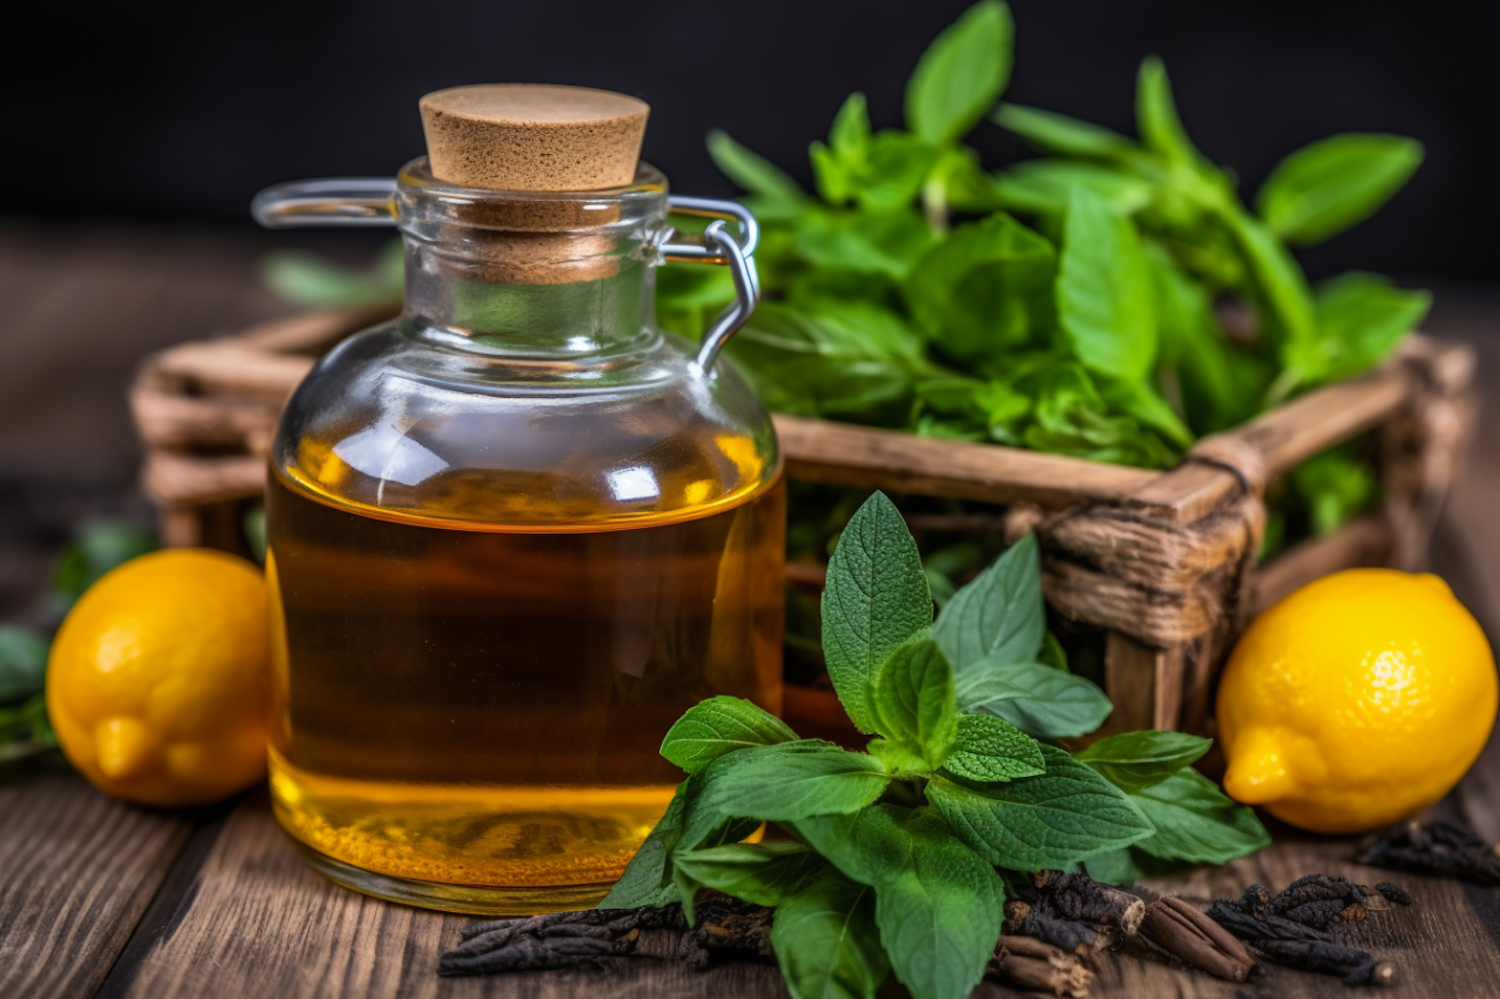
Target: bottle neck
[[546, 298]]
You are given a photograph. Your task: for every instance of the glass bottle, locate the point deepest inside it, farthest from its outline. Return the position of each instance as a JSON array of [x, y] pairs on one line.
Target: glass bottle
[[513, 534]]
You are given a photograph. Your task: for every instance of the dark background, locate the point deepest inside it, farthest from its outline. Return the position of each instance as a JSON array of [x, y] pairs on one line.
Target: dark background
[[177, 112]]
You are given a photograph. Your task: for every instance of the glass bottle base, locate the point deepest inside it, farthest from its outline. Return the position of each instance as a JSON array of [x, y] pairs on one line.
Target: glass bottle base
[[482, 900]]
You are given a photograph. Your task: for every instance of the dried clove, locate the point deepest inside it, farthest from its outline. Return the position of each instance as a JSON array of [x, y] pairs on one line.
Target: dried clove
[[1180, 930], [1441, 849], [1033, 964], [1291, 928], [602, 938], [1027, 920], [1080, 898]]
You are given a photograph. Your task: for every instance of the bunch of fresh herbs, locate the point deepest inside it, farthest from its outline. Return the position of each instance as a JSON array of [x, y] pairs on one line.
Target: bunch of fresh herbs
[[897, 859], [1069, 304]]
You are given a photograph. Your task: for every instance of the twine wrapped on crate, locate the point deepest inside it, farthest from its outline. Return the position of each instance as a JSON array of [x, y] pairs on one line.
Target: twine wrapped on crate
[[1164, 562]]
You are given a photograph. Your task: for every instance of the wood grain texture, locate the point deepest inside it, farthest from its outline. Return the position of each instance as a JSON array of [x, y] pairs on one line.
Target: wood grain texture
[[77, 870], [253, 920]]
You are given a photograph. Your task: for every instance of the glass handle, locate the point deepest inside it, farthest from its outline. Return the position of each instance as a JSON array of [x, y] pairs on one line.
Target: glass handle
[[718, 245], [336, 201]]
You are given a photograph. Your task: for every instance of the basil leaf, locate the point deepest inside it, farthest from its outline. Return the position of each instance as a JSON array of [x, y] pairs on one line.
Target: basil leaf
[[999, 615], [826, 940], [1143, 403], [1326, 187], [1156, 115], [1040, 700], [1044, 186], [1061, 135], [762, 873], [753, 172], [1286, 302], [961, 74], [1196, 822], [914, 702], [883, 243], [1135, 760], [988, 284], [785, 782], [875, 599], [938, 904], [1070, 417], [1104, 305], [1335, 487], [1361, 319], [895, 168], [720, 725], [1052, 820], [991, 749], [23, 662], [645, 881], [838, 166]]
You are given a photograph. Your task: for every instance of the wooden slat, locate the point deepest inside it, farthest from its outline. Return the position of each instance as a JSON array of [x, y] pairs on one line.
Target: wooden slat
[[253, 920], [1144, 683], [865, 458], [1362, 542], [77, 870], [173, 480], [228, 368]]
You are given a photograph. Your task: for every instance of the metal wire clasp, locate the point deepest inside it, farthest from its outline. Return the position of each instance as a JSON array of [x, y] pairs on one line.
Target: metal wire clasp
[[718, 245]]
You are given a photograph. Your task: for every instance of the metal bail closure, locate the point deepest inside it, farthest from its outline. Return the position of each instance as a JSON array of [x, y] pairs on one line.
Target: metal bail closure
[[719, 245]]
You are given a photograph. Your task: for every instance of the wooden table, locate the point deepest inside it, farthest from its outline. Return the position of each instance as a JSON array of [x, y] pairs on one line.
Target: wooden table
[[98, 898]]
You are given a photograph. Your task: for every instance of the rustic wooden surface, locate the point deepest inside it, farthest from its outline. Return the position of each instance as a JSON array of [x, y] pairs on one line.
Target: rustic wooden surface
[[100, 898]]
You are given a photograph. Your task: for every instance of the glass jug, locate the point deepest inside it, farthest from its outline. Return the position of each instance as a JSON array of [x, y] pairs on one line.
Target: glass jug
[[512, 535]]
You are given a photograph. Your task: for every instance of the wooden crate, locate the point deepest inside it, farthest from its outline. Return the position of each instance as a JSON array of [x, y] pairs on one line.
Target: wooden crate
[[1163, 562]]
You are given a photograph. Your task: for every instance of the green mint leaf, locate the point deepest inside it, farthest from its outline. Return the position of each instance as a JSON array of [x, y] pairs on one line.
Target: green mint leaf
[[812, 363], [649, 870], [914, 702], [1335, 487], [1142, 402], [1043, 187], [1063, 136], [1324, 188], [1135, 760], [1040, 700], [1123, 867], [1053, 654], [23, 662], [992, 749], [785, 782], [720, 725], [753, 172], [987, 285], [762, 873], [311, 281], [895, 168], [961, 74], [1056, 819], [1104, 304], [826, 940], [850, 133], [938, 904], [898, 757], [1361, 319], [1156, 115], [880, 243], [1284, 299], [998, 615], [875, 599], [1196, 822]]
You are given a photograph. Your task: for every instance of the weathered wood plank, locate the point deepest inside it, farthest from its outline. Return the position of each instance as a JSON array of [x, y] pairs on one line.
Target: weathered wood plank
[[77, 870], [862, 457], [254, 920]]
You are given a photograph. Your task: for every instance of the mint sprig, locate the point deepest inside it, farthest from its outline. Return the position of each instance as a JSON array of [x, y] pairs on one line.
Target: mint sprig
[[895, 860]]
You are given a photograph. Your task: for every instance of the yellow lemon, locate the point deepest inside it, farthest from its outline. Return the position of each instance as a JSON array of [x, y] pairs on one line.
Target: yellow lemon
[[159, 679], [1357, 701]]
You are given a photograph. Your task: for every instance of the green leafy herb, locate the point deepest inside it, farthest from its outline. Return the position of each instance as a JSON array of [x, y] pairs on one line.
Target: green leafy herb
[[1137, 760], [1323, 189], [901, 853], [23, 662], [720, 725], [875, 599]]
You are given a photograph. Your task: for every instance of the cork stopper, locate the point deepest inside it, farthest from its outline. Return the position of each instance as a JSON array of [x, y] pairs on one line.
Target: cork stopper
[[533, 137]]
